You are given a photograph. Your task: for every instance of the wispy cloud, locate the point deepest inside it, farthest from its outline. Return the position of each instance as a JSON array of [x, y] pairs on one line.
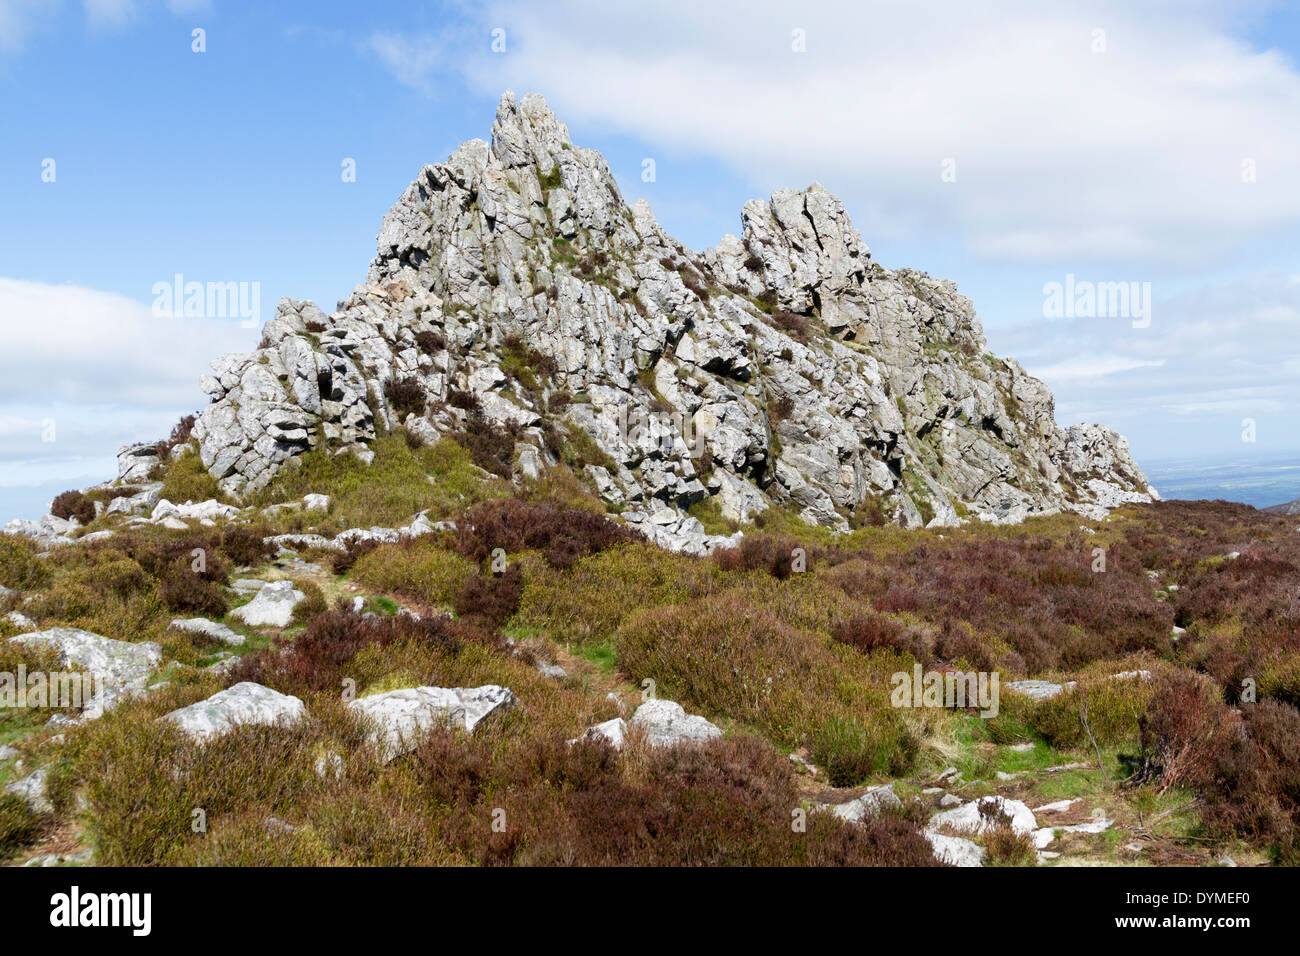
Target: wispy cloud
[[109, 14], [1211, 358], [19, 19], [85, 371], [1067, 143]]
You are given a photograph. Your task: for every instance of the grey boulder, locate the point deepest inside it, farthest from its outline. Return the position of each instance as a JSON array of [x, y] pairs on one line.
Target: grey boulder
[[243, 704]]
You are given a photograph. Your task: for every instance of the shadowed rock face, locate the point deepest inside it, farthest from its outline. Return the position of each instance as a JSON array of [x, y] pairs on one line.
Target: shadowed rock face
[[784, 367]]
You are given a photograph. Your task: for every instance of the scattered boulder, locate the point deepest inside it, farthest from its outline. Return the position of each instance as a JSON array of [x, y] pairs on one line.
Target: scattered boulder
[[1035, 689], [968, 819], [1045, 836], [31, 790], [209, 629], [244, 703], [665, 723], [398, 718], [614, 731], [135, 462], [20, 621], [201, 511], [272, 607], [865, 806], [955, 851], [120, 668]]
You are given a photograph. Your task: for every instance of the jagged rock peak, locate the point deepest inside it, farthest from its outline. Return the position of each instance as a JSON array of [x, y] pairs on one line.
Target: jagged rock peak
[[513, 288]]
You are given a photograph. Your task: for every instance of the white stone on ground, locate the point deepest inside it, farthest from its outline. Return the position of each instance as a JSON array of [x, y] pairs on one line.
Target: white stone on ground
[[119, 668], [1045, 836], [399, 718], [209, 629], [955, 851], [202, 510], [244, 703], [1034, 689], [665, 723], [614, 731], [865, 806], [272, 607], [31, 790], [968, 819]]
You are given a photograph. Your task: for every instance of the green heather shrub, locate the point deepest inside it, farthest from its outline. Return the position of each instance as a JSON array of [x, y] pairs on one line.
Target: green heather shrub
[[1280, 679], [20, 568], [724, 657], [590, 600], [185, 479], [106, 592], [1005, 846], [18, 825], [313, 601], [399, 483], [420, 568], [1114, 711], [709, 513]]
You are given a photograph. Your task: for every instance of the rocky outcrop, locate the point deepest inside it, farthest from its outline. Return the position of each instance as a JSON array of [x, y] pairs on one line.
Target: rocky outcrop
[[513, 285], [979, 816]]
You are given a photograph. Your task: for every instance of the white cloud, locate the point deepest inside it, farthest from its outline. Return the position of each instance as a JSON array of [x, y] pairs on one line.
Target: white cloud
[[84, 371], [1060, 152], [109, 14], [19, 19], [1093, 367], [1211, 357], [67, 343], [411, 60], [182, 8]]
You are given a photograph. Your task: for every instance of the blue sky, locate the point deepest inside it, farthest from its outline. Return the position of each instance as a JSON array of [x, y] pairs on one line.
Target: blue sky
[[1112, 157]]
